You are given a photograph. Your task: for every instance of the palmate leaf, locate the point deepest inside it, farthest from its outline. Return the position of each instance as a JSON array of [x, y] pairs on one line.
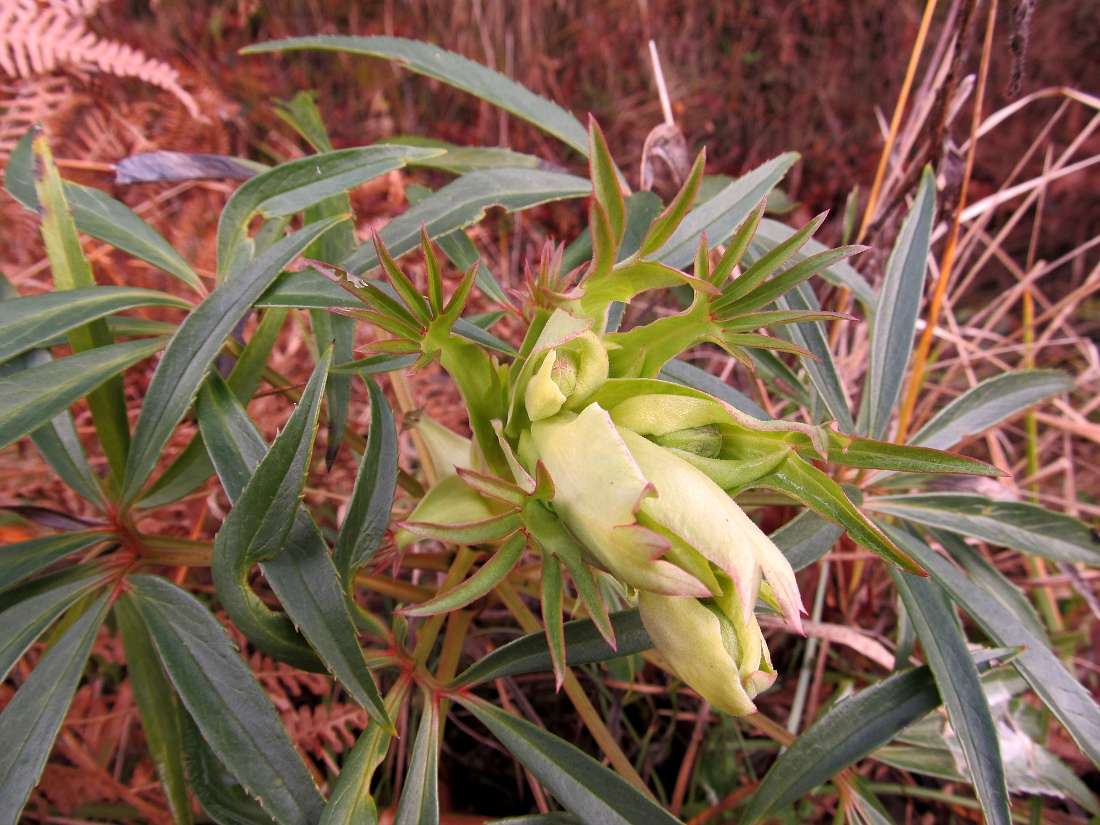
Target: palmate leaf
[[29, 723], [722, 214], [25, 558], [22, 623], [957, 679], [228, 705], [454, 70], [194, 347], [1028, 528], [303, 575], [593, 793], [71, 270], [369, 508], [1067, 699], [823, 372]]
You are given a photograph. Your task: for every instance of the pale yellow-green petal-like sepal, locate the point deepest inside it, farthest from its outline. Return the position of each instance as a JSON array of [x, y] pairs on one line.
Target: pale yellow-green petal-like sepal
[[689, 637]]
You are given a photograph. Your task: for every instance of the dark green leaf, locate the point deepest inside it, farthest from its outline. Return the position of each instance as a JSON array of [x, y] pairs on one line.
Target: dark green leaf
[[194, 347], [896, 315], [22, 623], [454, 70], [463, 202], [823, 372], [219, 792], [302, 576], [944, 644], [583, 645], [158, 706], [989, 403], [420, 797], [806, 538], [31, 321], [1048, 677], [595, 794], [849, 731], [25, 558], [32, 718], [228, 705], [296, 185], [31, 398], [1016, 524]]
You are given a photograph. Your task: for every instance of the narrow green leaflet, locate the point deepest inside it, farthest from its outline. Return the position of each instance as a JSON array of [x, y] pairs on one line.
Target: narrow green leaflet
[[257, 526], [1016, 524], [864, 804], [990, 579], [595, 794], [97, 214], [194, 347], [228, 705], [32, 718], [302, 576], [463, 202], [896, 315], [368, 511], [988, 404], [454, 70], [420, 797], [25, 558], [56, 440], [36, 395], [723, 213], [583, 645], [461, 251], [219, 792], [32, 321], [484, 580], [22, 623], [1067, 699], [71, 270], [806, 538], [193, 466], [294, 186], [944, 644], [771, 233], [158, 706], [849, 731], [823, 372]]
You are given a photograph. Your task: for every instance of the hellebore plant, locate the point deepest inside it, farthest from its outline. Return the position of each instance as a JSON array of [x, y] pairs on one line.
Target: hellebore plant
[[584, 455], [598, 462]]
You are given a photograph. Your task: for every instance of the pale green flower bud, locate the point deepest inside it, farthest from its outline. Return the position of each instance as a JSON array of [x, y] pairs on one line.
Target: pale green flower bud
[[703, 647]]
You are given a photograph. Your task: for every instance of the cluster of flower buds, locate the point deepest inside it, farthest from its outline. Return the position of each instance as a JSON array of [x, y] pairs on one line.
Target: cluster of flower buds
[[584, 454]]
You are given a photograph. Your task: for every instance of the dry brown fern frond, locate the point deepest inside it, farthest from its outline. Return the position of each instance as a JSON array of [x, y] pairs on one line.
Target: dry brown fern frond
[[317, 728], [39, 36], [26, 104]]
